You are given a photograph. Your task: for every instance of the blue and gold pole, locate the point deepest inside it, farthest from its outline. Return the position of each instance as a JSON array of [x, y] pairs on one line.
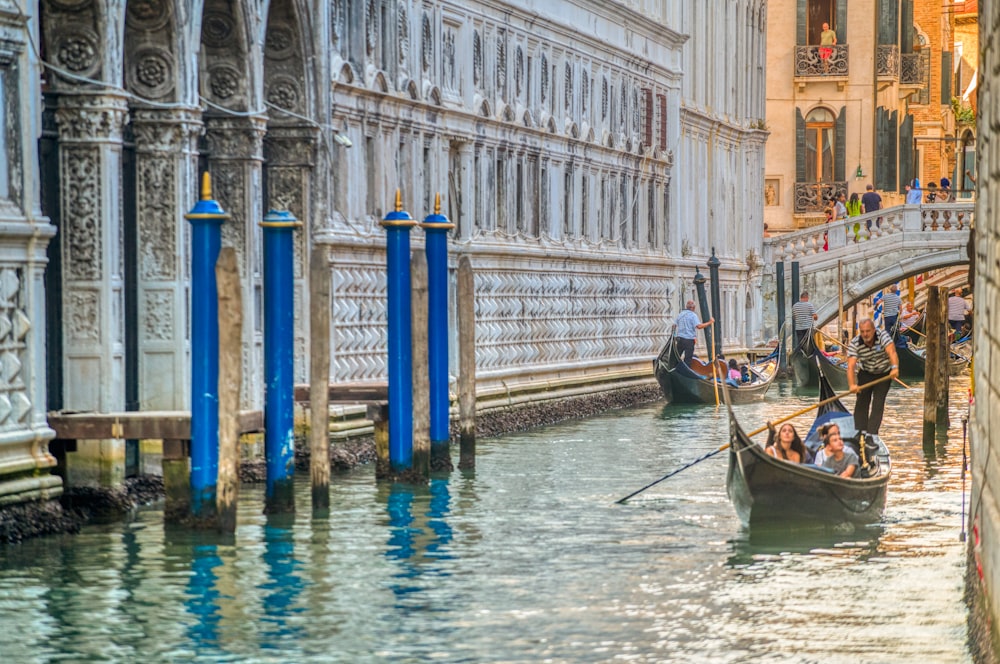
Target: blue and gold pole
[[436, 227], [397, 226], [206, 219], [279, 353]]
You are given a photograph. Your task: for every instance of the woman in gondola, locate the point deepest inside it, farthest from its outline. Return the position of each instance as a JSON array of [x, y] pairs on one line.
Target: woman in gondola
[[785, 444]]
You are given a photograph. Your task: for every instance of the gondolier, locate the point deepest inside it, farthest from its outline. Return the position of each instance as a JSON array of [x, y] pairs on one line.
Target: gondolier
[[872, 355], [803, 315], [688, 325]]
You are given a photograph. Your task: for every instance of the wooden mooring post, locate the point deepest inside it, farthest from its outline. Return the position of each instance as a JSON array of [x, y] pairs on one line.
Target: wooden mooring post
[[230, 378], [466, 309], [421, 369], [936, 364], [319, 378]]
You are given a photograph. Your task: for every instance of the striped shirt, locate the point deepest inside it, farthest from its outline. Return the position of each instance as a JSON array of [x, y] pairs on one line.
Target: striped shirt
[[872, 359], [802, 314], [890, 304], [957, 306]]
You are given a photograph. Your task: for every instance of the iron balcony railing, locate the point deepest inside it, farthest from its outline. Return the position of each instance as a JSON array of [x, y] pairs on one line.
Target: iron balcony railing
[[814, 196], [887, 61], [911, 72], [809, 61]]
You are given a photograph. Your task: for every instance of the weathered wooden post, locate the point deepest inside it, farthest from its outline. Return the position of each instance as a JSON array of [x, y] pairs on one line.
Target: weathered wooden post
[[421, 375], [397, 225], [699, 287], [713, 273], [779, 278], [466, 309], [436, 227], [279, 359], [936, 363], [840, 304], [795, 282], [319, 377], [206, 219], [230, 380]]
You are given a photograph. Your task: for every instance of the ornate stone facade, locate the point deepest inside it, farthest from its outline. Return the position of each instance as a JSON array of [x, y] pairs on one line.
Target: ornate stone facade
[[589, 173]]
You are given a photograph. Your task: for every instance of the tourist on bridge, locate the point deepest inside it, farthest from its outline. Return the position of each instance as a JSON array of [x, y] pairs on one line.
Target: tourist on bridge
[[688, 325], [871, 202], [870, 355], [913, 194], [891, 305], [803, 315]]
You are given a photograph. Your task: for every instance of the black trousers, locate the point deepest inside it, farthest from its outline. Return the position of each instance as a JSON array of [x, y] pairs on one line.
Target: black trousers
[[686, 349], [890, 323], [870, 405]]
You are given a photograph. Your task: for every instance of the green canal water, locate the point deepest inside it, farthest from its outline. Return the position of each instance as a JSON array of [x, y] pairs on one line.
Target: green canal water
[[529, 559]]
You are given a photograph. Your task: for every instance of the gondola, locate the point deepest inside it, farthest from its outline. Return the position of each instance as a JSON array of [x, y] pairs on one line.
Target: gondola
[[768, 492], [807, 360], [681, 383], [913, 360]]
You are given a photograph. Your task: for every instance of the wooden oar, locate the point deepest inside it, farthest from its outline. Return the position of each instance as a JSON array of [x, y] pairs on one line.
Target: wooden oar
[[895, 379], [752, 433], [715, 376]]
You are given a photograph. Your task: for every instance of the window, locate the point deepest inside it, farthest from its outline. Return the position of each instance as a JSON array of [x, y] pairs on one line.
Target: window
[[820, 12], [820, 141]]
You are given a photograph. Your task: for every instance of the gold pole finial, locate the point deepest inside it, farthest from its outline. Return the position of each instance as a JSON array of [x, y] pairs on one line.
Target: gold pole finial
[[399, 201], [437, 203], [206, 186]]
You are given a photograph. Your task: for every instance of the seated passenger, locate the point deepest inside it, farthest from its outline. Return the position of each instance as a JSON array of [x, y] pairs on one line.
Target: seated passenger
[[733, 378], [833, 456], [788, 445]]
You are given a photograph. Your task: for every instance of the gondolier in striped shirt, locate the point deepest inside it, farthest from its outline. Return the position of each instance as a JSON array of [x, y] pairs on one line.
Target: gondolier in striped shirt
[[871, 354], [803, 315], [890, 309]]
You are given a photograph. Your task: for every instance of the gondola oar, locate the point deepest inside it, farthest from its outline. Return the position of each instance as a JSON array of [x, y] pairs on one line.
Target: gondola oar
[[715, 366], [753, 433]]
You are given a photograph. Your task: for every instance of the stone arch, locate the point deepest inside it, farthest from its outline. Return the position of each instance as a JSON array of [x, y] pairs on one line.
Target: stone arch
[[574, 129], [551, 126], [484, 109], [590, 135], [151, 67], [411, 89], [345, 74], [434, 95], [226, 72], [526, 118], [78, 36], [379, 83], [507, 113]]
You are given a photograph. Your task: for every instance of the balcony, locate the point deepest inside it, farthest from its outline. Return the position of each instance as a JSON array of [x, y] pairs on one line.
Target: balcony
[[911, 70], [809, 64], [813, 196], [887, 61]]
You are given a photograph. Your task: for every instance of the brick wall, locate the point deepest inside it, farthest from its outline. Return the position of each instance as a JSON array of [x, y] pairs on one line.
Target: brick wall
[[930, 18]]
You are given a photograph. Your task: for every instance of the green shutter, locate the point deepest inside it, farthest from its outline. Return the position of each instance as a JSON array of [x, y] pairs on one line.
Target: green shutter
[[906, 169], [946, 76], [888, 22], [800, 146], [800, 23], [906, 26], [841, 20], [839, 149]]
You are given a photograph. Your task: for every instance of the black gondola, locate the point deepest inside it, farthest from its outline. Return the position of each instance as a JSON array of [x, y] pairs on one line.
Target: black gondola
[[769, 492], [681, 383], [913, 360], [809, 358]]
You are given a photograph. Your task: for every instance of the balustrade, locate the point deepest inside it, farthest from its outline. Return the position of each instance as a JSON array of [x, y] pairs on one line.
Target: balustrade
[[887, 60], [809, 62], [910, 69]]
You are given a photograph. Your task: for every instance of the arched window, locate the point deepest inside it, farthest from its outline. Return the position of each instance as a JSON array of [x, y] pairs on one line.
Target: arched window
[[819, 145]]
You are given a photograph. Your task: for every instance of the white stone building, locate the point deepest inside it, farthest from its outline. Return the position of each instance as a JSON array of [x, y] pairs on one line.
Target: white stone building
[[591, 153]]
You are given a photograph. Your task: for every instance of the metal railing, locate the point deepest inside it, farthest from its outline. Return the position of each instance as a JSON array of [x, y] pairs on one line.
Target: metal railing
[[911, 71], [809, 61], [887, 61], [813, 196]]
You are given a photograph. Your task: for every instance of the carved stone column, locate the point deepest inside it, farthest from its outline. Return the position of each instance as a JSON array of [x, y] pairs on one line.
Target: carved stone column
[[166, 186], [290, 152], [235, 157], [90, 151]]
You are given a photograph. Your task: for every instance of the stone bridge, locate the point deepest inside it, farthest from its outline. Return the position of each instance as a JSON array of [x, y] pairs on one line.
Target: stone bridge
[[903, 241]]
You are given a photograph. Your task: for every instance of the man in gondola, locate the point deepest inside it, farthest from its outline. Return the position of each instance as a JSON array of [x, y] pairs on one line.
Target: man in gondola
[[803, 315], [872, 355], [688, 325]]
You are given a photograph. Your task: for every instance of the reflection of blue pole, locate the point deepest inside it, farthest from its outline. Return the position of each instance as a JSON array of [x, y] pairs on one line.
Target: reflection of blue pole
[[398, 311], [436, 227], [206, 219], [279, 378]]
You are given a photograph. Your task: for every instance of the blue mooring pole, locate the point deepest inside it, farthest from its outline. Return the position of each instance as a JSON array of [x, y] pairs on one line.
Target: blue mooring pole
[[397, 226], [279, 353], [436, 227], [206, 219]]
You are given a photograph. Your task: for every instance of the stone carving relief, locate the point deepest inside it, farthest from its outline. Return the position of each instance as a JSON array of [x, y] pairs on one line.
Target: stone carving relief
[[234, 140], [218, 30], [403, 32], [604, 98], [280, 42], [568, 84], [15, 325], [477, 59], [158, 315], [77, 51], [150, 73], [426, 45], [337, 23], [448, 76], [227, 186], [543, 83], [72, 5], [147, 15], [371, 27], [83, 315], [518, 71], [82, 228], [284, 92], [156, 192], [225, 81], [502, 63], [585, 92]]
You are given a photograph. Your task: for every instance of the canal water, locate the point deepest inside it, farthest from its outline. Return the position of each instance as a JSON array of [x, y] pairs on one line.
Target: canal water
[[529, 559]]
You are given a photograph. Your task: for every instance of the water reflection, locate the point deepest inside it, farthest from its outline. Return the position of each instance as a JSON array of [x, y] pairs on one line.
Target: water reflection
[[284, 583], [203, 596], [859, 544]]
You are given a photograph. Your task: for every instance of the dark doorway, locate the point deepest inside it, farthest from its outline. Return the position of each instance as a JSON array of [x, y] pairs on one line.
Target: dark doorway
[[48, 151], [130, 256], [820, 12]]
